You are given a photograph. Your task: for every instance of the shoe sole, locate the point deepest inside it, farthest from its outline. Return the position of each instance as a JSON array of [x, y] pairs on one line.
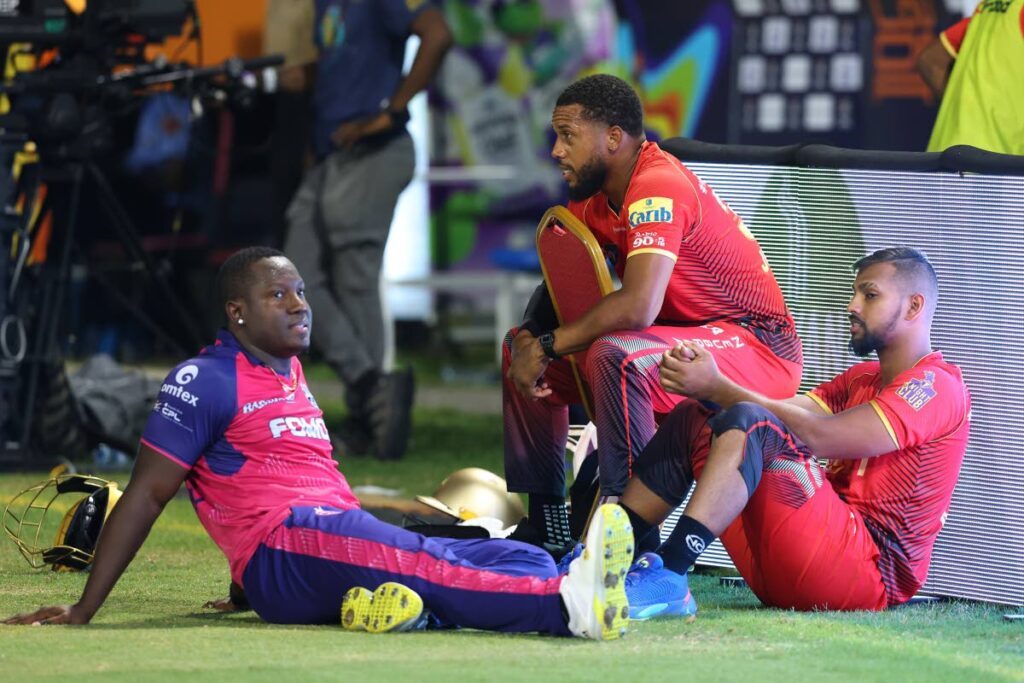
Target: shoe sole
[[392, 607], [615, 548], [665, 610]]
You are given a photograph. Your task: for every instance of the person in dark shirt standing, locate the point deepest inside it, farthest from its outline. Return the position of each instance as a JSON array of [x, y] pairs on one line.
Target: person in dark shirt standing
[[339, 220]]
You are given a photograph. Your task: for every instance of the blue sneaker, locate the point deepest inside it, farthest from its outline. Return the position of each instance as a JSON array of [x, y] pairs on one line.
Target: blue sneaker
[[654, 591], [563, 564]]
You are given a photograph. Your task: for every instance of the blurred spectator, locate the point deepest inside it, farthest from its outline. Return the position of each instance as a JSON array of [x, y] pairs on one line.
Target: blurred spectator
[[339, 220], [976, 67], [288, 31]]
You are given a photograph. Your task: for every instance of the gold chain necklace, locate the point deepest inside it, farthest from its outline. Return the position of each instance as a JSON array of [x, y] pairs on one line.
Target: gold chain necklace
[[291, 384]]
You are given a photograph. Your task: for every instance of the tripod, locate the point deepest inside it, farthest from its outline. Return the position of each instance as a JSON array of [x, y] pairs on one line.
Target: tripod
[[40, 349]]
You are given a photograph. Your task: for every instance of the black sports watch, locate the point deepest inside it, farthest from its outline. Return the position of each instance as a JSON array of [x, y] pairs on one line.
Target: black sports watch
[[547, 343], [399, 117]]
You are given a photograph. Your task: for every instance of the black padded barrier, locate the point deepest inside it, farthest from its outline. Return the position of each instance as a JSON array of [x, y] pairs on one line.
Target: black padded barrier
[[956, 159]]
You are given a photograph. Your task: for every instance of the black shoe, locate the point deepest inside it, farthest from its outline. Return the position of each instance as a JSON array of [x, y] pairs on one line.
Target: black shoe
[[388, 413]]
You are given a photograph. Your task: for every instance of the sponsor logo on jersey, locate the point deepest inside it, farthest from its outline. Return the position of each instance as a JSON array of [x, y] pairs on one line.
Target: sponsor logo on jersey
[[186, 374], [650, 210], [253, 406], [166, 410], [733, 342], [998, 6], [313, 428], [647, 239], [918, 391], [179, 393], [324, 512]]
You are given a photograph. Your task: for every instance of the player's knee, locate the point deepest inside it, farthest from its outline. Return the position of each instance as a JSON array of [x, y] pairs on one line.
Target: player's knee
[[742, 416], [751, 468], [605, 354]]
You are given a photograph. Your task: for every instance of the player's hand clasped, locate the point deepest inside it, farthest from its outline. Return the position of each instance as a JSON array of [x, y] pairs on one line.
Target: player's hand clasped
[[690, 370], [526, 370], [55, 614]]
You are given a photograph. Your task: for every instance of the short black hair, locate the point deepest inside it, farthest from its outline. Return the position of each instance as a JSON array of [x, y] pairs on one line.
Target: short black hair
[[235, 274], [912, 267], [607, 99]]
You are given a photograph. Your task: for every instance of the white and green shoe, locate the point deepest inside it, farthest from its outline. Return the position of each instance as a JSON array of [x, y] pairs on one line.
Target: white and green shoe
[[392, 607], [594, 589]]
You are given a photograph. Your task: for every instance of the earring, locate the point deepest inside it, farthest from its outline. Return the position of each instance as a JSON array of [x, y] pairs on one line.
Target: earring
[[241, 322]]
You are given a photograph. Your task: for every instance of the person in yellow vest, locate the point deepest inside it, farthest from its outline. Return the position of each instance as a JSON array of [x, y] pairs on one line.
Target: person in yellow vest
[[976, 67]]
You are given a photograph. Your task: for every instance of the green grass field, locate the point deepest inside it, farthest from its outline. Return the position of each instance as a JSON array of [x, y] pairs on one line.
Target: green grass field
[[154, 628]]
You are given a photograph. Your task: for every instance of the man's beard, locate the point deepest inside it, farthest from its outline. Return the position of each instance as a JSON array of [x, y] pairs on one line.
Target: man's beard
[[870, 341], [865, 344], [589, 179]]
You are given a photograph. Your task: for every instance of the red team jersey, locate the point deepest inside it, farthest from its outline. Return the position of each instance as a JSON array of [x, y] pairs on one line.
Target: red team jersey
[[720, 273], [903, 495]]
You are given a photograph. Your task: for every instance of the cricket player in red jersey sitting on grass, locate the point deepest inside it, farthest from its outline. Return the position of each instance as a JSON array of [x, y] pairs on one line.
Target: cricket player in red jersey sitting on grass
[[857, 535]]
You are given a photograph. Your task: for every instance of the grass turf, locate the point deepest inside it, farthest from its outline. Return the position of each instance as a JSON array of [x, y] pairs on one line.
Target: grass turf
[[154, 628]]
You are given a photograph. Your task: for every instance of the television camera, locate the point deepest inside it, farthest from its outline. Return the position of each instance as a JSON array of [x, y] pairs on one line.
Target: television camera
[[72, 70]]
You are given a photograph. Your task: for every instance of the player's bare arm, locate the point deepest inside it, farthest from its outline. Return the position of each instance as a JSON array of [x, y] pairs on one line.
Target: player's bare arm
[[934, 64], [633, 307], [852, 434], [154, 482]]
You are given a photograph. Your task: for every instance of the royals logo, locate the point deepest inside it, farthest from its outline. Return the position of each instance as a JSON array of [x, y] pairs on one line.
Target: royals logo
[[650, 210], [918, 391]]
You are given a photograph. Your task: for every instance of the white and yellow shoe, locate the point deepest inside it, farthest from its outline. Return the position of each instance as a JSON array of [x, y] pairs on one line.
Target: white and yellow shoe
[[392, 607], [594, 589]]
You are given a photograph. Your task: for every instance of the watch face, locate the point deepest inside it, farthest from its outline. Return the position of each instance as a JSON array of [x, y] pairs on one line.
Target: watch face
[[547, 342]]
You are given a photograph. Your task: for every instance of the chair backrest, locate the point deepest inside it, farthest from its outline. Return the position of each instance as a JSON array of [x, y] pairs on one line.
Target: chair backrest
[[576, 274]]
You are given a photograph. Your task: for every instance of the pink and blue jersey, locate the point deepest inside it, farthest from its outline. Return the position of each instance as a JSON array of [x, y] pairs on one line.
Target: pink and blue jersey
[[254, 442], [264, 485]]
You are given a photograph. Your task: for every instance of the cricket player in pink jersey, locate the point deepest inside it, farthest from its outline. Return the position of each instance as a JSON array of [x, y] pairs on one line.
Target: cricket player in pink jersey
[[238, 425]]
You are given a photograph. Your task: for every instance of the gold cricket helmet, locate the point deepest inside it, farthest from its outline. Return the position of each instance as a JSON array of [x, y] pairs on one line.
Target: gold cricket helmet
[[27, 520], [474, 492]]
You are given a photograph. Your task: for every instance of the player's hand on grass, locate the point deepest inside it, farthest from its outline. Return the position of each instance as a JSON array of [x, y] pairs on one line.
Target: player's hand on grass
[[47, 616], [222, 605], [526, 370], [235, 602], [690, 370]]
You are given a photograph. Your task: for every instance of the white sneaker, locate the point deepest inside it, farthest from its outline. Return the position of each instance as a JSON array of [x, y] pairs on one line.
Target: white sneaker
[[594, 588]]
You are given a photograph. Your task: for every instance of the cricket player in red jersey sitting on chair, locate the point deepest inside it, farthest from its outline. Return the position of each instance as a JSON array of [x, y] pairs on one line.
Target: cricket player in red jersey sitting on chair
[[690, 270]]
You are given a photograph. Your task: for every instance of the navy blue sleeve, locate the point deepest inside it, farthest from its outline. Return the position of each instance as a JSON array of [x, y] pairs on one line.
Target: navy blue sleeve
[[197, 402]]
